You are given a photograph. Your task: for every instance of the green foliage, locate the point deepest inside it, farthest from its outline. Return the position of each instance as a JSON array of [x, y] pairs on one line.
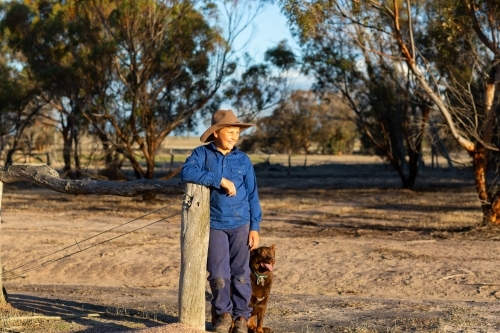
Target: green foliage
[[351, 54], [305, 123], [262, 86], [133, 70], [337, 133], [11, 95], [281, 56]]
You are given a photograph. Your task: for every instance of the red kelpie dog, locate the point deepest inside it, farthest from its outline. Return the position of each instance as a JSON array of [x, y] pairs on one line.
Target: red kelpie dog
[[262, 264]]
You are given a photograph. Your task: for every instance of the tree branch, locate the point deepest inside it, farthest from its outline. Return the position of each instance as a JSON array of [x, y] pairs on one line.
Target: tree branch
[[47, 177]]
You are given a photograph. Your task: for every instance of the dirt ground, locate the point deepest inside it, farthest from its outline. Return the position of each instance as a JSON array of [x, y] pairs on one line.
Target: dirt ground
[[355, 253]]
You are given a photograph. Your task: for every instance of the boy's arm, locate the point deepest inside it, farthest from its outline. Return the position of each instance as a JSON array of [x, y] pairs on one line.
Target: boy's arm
[[253, 199], [193, 170]]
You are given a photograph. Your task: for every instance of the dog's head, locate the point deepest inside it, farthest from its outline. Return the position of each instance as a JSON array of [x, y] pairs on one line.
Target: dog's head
[[262, 259]]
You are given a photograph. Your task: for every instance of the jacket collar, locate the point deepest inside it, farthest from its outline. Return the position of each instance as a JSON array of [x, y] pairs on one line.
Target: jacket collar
[[212, 147]]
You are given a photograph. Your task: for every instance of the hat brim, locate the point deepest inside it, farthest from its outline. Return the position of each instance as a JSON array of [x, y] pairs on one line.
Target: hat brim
[[208, 135]]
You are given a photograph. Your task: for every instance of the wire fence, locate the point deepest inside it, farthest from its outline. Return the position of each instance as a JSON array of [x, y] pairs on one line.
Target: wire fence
[[18, 271]]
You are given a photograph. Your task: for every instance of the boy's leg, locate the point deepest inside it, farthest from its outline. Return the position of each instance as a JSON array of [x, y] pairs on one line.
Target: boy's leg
[[219, 271], [240, 270]]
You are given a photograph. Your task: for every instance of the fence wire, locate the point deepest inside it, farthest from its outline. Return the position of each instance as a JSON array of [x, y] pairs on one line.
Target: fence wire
[[12, 274]]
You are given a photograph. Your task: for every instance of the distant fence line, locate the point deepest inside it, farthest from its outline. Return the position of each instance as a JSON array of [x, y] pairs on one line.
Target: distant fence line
[[194, 224]]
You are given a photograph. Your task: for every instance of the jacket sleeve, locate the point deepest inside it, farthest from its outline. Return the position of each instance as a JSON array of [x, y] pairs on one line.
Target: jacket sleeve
[[253, 198], [194, 170]]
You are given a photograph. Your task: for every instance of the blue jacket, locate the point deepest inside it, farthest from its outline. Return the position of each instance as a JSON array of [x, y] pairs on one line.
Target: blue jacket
[[207, 166]]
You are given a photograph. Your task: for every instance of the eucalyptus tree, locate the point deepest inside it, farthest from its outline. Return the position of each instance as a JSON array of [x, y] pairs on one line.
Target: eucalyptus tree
[[19, 107], [336, 132], [354, 59], [303, 123], [19, 101], [465, 28], [466, 38], [288, 129], [45, 33], [134, 70], [169, 60]]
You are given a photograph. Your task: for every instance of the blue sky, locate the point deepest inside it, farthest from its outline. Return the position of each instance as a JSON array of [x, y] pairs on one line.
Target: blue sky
[[268, 29]]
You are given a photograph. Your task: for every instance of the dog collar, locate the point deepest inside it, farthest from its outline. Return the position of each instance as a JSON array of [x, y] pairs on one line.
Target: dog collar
[[260, 278]]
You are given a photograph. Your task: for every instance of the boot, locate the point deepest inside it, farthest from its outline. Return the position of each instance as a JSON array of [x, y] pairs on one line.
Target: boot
[[240, 325], [223, 324]]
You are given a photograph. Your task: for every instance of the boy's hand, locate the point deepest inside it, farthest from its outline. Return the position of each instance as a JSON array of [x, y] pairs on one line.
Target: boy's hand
[[228, 186], [253, 240]]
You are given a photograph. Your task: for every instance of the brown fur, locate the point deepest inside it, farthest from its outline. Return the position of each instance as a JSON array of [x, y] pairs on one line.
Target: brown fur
[[261, 288]]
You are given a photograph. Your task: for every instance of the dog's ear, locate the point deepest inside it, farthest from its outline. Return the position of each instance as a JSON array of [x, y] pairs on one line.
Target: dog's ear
[[273, 246]]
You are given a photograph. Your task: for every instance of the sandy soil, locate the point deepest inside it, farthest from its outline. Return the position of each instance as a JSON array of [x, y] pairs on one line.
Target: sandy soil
[[354, 254]]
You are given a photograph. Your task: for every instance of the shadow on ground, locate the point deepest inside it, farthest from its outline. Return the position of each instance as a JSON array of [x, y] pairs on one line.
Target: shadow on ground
[[93, 317]]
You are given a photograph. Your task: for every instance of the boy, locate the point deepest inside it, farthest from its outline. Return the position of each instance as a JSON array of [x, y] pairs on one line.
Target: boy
[[235, 216]]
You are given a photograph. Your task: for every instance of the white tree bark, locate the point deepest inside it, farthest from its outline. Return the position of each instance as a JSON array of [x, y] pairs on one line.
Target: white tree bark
[[49, 178], [195, 228], [409, 57]]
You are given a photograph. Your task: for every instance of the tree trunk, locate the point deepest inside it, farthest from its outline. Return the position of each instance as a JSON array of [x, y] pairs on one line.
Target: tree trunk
[[76, 155], [106, 146], [480, 164], [438, 147], [112, 163], [9, 158], [67, 144], [2, 293], [289, 169], [150, 169], [195, 229], [434, 156], [408, 183], [137, 173], [415, 150], [490, 201], [171, 168]]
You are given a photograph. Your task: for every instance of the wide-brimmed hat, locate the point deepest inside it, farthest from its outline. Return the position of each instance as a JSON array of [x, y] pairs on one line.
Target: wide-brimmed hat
[[221, 119]]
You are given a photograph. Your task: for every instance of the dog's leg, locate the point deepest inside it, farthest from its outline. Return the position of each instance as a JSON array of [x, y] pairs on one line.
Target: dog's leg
[[252, 325], [260, 319]]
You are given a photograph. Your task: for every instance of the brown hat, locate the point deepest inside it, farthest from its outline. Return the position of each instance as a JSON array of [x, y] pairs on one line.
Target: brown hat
[[221, 119]]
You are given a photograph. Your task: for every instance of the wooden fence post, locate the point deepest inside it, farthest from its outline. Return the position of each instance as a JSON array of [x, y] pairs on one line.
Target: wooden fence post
[[2, 290], [195, 228]]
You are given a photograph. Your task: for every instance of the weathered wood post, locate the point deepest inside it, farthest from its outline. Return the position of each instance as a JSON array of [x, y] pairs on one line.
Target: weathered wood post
[[195, 228]]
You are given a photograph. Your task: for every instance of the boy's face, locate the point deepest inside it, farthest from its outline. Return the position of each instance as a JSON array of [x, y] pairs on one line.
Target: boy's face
[[226, 138]]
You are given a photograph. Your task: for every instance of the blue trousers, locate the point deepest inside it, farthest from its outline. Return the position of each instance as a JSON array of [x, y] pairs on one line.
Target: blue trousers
[[229, 271]]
